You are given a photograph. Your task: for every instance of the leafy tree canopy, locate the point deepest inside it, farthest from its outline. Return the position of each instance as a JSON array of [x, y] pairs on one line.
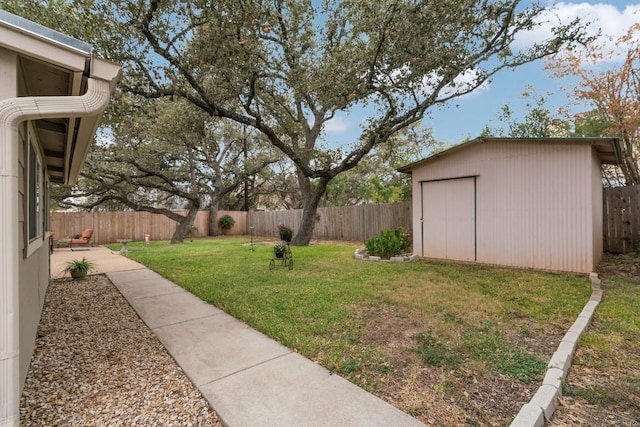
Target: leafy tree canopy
[[538, 122], [613, 91], [286, 68]]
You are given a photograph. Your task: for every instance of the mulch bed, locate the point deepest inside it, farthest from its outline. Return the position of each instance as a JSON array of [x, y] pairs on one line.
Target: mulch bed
[[97, 363]]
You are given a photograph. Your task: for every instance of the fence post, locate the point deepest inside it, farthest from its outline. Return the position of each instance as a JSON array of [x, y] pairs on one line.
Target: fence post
[[621, 219]]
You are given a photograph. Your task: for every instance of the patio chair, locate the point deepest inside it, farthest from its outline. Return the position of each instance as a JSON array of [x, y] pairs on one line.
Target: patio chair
[[83, 241]]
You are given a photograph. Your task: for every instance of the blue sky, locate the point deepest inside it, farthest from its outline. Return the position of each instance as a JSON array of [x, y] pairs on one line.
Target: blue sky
[[465, 117]]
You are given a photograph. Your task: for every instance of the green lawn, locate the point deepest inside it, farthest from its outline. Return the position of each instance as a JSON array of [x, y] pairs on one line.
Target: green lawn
[[469, 320], [315, 307], [606, 368]]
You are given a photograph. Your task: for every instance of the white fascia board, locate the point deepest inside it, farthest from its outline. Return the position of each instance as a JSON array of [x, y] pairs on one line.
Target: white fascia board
[[52, 53]]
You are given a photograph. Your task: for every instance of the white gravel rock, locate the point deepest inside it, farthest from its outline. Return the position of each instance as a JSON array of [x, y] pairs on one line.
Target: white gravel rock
[[97, 364]]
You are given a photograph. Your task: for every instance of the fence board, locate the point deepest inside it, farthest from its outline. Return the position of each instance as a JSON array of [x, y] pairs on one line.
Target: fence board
[[349, 223], [621, 228], [621, 212], [110, 227]]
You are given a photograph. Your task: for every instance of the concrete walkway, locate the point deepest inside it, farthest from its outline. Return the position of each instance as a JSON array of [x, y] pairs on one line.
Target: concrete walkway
[[249, 379], [104, 259]]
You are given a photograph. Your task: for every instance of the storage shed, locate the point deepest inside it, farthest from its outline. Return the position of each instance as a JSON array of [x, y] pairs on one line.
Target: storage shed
[[531, 203]]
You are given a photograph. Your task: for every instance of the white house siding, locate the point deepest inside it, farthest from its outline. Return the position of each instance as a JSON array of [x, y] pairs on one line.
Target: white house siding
[[34, 279], [33, 270], [53, 64], [534, 201]]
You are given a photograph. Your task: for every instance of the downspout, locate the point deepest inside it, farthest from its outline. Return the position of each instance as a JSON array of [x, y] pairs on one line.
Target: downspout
[[14, 111]]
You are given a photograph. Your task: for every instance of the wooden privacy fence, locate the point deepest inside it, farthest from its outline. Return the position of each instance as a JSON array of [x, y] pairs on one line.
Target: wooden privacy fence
[[621, 219], [109, 227], [349, 223], [621, 214]]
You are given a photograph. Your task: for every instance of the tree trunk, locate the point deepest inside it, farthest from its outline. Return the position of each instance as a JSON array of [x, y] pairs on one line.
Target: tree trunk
[[184, 226], [213, 217], [310, 200], [628, 164]]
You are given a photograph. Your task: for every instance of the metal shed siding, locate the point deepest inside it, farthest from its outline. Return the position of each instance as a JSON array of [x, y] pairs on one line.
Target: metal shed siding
[[534, 201], [597, 209]]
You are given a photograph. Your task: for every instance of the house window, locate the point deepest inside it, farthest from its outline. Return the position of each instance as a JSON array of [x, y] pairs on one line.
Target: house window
[[35, 204], [35, 195]]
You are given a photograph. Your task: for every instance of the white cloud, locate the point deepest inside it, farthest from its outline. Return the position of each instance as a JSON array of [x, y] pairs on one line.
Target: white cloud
[[463, 82], [337, 125], [607, 19]]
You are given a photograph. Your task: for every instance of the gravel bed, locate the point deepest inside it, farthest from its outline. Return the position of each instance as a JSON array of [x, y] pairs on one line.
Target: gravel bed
[[97, 364]]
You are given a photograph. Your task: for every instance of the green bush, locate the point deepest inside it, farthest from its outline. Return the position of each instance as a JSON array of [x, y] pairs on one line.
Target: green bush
[[279, 249], [226, 222], [389, 243], [285, 232]]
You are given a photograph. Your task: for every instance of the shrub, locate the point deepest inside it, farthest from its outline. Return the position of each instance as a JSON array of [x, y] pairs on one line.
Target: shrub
[[226, 222], [285, 232], [389, 243]]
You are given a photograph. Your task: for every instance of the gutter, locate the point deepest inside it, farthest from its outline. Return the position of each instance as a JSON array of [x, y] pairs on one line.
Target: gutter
[[14, 111]]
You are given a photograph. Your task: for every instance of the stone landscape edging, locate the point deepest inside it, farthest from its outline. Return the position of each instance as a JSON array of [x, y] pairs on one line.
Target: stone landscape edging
[[543, 404], [361, 253]]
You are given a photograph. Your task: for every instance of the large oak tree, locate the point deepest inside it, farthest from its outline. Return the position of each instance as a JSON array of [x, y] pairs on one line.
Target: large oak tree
[[286, 68], [165, 156]]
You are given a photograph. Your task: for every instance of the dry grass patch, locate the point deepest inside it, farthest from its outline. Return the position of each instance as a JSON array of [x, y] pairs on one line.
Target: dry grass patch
[[603, 385]]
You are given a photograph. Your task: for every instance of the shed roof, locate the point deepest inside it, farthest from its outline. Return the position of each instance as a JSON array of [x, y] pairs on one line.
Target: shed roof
[[608, 149]]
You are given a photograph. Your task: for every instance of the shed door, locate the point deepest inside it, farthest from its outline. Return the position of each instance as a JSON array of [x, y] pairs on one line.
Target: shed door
[[449, 219]]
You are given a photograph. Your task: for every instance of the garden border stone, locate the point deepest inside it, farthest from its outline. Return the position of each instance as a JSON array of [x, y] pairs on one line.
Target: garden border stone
[[542, 406], [361, 253]]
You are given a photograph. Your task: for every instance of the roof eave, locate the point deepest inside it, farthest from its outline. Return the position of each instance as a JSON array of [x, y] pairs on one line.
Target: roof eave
[[31, 40], [608, 149], [87, 127]]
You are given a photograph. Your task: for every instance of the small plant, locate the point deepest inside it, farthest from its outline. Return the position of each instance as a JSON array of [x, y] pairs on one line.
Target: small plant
[[389, 243], [226, 222], [279, 249], [526, 368], [79, 268], [286, 233], [435, 353], [349, 366]]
